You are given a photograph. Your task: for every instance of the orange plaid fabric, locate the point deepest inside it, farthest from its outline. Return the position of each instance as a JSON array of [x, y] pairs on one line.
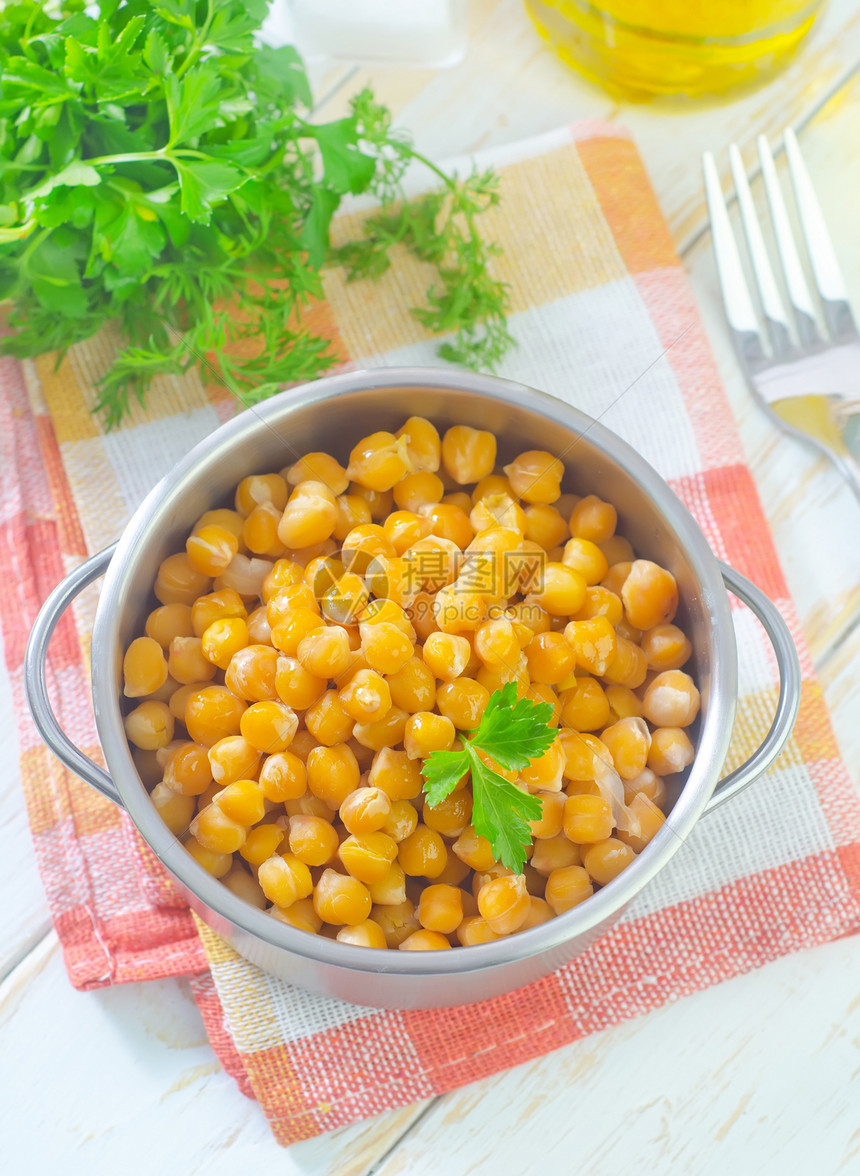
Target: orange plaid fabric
[[604, 318]]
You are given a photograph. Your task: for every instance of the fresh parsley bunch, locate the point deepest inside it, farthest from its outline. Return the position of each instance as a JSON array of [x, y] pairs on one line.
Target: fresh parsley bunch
[[159, 168], [512, 732]]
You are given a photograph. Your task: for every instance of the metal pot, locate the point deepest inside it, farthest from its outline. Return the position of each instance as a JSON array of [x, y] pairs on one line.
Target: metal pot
[[330, 414]]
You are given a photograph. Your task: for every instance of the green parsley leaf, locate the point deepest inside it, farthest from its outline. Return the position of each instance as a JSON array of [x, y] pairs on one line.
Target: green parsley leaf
[[204, 185], [512, 732], [345, 167], [443, 771], [501, 812]]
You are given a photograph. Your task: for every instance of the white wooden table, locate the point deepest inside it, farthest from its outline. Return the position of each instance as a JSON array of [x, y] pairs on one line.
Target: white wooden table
[[757, 1075]]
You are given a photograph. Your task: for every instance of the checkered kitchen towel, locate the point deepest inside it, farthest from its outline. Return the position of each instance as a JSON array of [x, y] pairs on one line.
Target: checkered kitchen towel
[[599, 296]]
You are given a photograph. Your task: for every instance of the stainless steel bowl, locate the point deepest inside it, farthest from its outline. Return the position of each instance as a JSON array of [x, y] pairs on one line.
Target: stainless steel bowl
[[331, 414]]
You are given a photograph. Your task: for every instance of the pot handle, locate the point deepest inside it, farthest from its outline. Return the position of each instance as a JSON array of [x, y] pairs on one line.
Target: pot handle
[[35, 684], [788, 701]]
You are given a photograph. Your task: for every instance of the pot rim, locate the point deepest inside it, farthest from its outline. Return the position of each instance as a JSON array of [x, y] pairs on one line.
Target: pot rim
[[713, 739]]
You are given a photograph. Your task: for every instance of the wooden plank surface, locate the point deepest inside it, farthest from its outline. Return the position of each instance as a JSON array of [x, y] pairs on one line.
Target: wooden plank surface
[[710, 1085], [713, 1080], [102, 1079]]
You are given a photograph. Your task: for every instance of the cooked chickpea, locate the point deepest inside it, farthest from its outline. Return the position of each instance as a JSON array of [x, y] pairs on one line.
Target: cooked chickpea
[[186, 769], [426, 732], [366, 697], [423, 940], [328, 721], [251, 673], [261, 843], [451, 815], [365, 810], [553, 853], [586, 819], [283, 777], [413, 687], [422, 443], [446, 655], [550, 658], [649, 818], [300, 914], [216, 830], [567, 887], [463, 701], [593, 519], [628, 742], [242, 801], [169, 621], [650, 594], [586, 558], [604, 860], [396, 774], [341, 899], [536, 476], [666, 647], [401, 821], [175, 809], [440, 908], [468, 454], [593, 643], [671, 700], [560, 591], [366, 934], [385, 647], [474, 930], [313, 840], [551, 820], [504, 903], [150, 725], [332, 773], [671, 751], [422, 853], [584, 706], [144, 668], [368, 856], [178, 581], [473, 849], [318, 467], [385, 732], [449, 521]]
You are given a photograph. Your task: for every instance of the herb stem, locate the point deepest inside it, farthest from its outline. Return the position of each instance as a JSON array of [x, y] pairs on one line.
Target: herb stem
[[199, 42]]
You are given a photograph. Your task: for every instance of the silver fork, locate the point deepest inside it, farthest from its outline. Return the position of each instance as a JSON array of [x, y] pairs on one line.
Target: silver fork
[[810, 383]]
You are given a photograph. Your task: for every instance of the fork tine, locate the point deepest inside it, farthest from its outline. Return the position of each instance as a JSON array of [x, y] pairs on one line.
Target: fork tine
[[795, 280], [736, 296], [819, 246], [771, 300]]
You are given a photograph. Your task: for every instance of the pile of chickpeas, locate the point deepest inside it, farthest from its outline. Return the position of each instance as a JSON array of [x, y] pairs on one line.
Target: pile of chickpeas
[[317, 641]]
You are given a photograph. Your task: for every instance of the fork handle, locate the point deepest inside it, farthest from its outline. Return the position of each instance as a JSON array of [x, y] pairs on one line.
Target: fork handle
[[788, 666]]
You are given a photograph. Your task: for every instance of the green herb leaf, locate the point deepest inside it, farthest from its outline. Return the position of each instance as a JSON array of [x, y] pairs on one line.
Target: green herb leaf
[[443, 770], [501, 812], [76, 174], [314, 234], [345, 167], [204, 185], [512, 732]]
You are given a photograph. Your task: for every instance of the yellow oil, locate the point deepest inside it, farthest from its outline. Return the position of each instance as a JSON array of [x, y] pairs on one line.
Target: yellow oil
[[814, 417], [642, 49]]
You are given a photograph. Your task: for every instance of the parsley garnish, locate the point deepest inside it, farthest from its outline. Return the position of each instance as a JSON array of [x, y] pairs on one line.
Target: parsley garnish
[[513, 732], [161, 170]]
